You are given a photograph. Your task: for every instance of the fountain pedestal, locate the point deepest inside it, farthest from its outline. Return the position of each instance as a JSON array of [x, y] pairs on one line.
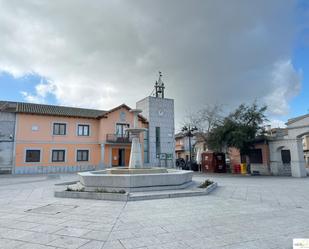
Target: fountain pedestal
[[136, 160]]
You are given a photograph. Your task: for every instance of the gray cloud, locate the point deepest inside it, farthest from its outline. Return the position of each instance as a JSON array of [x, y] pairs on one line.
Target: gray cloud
[[103, 53]]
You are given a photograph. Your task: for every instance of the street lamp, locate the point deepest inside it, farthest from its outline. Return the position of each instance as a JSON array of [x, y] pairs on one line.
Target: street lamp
[[188, 132]]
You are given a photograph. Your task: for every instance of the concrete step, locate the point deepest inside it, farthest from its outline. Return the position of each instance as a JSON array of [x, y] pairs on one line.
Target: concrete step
[[134, 196], [150, 195]]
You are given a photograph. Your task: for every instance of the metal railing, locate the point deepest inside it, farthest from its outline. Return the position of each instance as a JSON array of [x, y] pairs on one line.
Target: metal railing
[[179, 147], [118, 138]]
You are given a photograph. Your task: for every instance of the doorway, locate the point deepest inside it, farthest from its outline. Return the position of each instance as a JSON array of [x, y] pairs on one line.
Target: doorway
[[121, 157]]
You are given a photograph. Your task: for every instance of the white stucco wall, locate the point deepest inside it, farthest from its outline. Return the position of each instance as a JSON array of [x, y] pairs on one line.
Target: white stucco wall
[[292, 142]]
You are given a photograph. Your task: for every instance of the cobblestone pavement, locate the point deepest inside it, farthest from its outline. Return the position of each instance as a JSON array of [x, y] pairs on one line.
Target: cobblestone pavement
[[243, 212]]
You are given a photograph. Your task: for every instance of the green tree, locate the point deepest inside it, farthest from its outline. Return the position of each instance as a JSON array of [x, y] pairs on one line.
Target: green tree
[[239, 129]]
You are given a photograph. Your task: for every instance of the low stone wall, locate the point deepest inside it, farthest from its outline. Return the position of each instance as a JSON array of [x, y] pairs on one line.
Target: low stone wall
[[149, 195], [279, 169], [260, 168]]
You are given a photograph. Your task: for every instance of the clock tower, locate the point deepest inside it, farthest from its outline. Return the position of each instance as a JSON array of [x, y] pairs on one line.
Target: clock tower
[[159, 111]]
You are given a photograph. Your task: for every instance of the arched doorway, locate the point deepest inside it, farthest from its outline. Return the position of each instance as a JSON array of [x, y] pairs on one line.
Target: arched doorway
[[284, 159], [287, 157]]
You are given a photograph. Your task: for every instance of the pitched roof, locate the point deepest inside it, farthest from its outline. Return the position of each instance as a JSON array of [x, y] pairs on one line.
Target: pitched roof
[[54, 110], [293, 120], [179, 135], [116, 108], [58, 110], [141, 117], [199, 136], [8, 106]]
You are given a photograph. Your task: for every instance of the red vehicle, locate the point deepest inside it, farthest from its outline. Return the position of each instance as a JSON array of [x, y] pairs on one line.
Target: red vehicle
[[213, 162]]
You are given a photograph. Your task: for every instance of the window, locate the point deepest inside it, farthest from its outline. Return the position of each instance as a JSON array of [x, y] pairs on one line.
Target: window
[[158, 141], [83, 130], [58, 155], [146, 145], [35, 128], [33, 156], [286, 156], [59, 129], [255, 156], [121, 129], [82, 156]]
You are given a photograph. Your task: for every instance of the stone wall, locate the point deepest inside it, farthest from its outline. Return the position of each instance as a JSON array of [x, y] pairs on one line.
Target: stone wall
[[298, 128], [7, 133], [262, 169], [160, 113]]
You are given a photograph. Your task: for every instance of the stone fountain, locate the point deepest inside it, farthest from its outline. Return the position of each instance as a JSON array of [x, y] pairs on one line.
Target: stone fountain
[[136, 165], [136, 177], [136, 151]]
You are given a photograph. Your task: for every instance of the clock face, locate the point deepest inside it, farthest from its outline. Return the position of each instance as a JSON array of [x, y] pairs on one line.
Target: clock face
[[161, 112]]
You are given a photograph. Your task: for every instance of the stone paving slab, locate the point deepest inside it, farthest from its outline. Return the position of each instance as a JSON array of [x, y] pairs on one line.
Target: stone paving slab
[[243, 212]]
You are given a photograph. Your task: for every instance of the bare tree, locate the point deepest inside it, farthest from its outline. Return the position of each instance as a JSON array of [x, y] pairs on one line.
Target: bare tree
[[205, 119], [209, 117]]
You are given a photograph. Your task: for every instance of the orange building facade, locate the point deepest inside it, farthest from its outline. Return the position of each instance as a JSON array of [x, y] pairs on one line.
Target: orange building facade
[[52, 139]]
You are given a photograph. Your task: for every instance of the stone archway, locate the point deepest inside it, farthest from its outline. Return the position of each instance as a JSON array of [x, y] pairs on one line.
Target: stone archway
[[296, 129], [284, 158], [278, 165], [297, 159], [296, 164], [304, 137]]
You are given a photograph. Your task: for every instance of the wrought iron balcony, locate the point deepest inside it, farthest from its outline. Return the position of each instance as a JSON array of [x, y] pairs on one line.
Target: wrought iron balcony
[[118, 138], [179, 147]]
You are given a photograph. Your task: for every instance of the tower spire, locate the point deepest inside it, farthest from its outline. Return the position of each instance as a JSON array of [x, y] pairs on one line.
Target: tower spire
[[159, 87]]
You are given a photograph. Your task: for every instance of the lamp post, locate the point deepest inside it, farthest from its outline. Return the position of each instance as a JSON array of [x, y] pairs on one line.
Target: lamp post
[[188, 132]]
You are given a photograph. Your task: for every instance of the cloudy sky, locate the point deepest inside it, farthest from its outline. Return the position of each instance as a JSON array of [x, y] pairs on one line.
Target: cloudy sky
[[102, 53]]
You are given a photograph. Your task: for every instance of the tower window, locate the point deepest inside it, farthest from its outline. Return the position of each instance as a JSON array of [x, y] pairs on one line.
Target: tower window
[[158, 140]]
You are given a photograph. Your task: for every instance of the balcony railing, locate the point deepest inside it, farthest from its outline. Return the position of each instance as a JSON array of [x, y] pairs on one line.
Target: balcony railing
[[179, 147], [118, 138]]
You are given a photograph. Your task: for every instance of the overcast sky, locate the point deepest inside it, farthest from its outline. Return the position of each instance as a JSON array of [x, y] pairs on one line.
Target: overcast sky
[[103, 53]]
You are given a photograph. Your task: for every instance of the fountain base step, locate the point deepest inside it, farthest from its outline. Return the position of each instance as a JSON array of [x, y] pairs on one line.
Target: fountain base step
[[126, 184], [192, 190]]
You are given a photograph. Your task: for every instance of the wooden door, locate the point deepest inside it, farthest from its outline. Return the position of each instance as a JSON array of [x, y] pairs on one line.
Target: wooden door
[[115, 159], [127, 156]]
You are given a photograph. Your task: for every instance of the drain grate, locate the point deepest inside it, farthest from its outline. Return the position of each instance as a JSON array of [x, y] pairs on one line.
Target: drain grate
[[52, 209]]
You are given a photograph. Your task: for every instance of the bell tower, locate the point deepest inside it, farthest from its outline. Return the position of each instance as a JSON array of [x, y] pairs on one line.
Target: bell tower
[[159, 111], [159, 87]]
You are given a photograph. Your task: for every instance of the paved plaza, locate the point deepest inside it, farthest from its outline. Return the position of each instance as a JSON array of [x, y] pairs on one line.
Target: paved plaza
[[243, 212]]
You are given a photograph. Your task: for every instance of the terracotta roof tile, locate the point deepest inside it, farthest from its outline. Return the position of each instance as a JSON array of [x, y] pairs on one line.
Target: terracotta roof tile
[[58, 110], [54, 110]]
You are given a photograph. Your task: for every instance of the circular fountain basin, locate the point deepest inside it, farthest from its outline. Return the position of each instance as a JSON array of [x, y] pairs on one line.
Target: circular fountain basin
[[134, 180]]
